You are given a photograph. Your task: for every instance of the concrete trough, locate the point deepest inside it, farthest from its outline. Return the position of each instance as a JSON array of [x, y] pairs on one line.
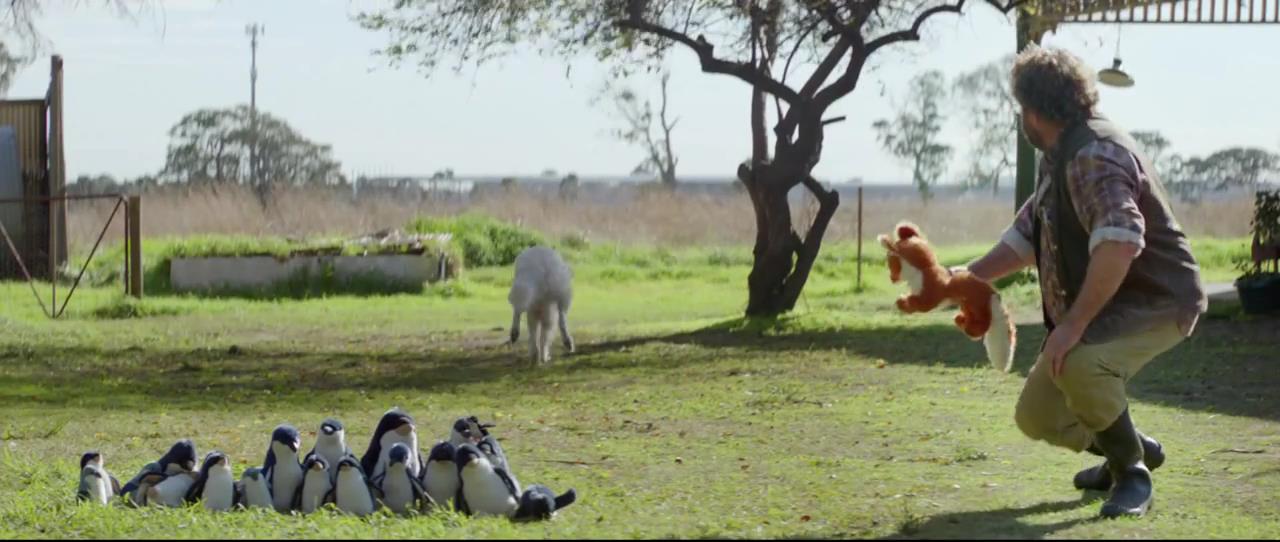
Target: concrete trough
[[390, 272]]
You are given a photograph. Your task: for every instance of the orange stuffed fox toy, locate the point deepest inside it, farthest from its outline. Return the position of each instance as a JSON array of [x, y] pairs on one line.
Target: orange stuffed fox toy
[[982, 315]]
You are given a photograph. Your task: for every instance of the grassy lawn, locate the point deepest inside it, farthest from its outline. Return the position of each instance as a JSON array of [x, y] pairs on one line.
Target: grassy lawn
[[675, 418]]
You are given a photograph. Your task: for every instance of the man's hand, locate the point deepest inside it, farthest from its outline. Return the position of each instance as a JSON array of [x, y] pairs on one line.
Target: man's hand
[[1108, 265], [1063, 338]]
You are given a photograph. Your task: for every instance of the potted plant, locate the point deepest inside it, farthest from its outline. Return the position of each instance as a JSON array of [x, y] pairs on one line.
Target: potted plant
[[1259, 282]]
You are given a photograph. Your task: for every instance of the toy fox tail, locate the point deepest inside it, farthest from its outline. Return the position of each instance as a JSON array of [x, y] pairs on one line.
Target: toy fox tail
[[1001, 337]]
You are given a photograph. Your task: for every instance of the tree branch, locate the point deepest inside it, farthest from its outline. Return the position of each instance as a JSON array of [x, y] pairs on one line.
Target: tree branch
[[711, 64], [913, 34]]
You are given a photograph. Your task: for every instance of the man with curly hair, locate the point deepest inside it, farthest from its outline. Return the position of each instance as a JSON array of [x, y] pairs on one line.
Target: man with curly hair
[[1118, 282]]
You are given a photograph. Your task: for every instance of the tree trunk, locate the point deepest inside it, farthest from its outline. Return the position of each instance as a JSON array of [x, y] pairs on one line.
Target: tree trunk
[[782, 259]]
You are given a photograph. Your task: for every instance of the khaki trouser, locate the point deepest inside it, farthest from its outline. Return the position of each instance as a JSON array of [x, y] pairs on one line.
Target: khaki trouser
[[1089, 396]]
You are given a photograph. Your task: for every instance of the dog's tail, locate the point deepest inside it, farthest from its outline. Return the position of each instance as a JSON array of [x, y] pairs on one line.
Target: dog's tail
[[1001, 337]]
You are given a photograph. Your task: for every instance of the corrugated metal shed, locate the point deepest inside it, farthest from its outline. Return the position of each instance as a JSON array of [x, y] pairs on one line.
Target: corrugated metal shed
[[40, 173], [28, 119]]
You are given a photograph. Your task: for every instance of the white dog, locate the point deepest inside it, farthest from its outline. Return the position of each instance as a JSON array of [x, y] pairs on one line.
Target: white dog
[[542, 288]]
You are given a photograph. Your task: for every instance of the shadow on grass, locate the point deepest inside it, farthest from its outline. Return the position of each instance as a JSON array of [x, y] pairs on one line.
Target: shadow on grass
[[1227, 366], [987, 524]]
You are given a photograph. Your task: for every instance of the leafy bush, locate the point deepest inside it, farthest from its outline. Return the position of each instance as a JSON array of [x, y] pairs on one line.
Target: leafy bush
[[484, 241]]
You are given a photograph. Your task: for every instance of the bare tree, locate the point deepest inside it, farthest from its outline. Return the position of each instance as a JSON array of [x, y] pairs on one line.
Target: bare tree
[[640, 119], [754, 41], [912, 136], [987, 98]]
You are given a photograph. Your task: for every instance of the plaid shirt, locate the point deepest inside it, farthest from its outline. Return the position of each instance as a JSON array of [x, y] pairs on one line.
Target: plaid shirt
[[1105, 184]]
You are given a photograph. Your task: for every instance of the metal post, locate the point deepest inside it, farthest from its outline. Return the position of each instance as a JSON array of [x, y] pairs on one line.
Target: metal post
[[859, 287], [57, 180], [134, 225], [1026, 157], [253, 30]]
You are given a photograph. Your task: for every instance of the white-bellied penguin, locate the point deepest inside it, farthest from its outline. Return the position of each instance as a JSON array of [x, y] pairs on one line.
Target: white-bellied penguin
[[353, 493], [96, 484], [395, 426], [215, 487], [331, 444], [253, 491], [486, 490], [401, 491], [316, 483], [469, 430], [281, 468], [440, 475]]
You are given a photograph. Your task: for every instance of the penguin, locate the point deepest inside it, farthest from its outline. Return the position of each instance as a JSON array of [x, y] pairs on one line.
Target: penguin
[[253, 491], [172, 491], [470, 430], [96, 484], [538, 502], [316, 484], [493, 451], [486, 490], [331, 444], [281, 468], [401, 491], [440, 476], [395, 426], [180, 458], [149, 476], [215, 486], [353, 493]]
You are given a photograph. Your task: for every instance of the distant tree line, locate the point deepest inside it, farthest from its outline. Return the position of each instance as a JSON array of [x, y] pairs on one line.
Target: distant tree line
[[985, 98]]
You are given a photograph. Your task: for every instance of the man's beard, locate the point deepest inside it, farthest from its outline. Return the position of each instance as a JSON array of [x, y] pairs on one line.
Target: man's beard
[[1033, 139]]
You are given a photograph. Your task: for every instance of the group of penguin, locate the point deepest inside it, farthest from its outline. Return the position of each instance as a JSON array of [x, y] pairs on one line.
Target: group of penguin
[[470, 469]]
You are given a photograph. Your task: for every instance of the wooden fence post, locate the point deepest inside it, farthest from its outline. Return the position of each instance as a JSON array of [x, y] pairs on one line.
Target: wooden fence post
[[133, 224], [859, 288]]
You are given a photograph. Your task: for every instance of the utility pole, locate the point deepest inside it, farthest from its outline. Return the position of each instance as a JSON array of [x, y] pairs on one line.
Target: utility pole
[[253, 30]]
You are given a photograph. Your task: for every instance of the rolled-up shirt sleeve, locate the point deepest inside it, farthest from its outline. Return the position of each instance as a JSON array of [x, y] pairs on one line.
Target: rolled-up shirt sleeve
[[1105, 186], [1018, 235]]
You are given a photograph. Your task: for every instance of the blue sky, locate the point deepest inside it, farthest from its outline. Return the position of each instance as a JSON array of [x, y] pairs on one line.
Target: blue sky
[[129, 79]]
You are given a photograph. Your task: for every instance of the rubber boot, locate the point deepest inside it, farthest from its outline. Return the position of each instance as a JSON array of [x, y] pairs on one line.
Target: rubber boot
[[1098, 477], [1132, 493]]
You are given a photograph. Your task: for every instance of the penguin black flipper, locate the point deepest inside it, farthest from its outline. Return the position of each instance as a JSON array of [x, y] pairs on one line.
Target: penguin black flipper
[[376, 495], [331, 496], [512, 487], [196, 489], [115, 486], [460, 503], [237, 494], [420, 495], [296, 503]]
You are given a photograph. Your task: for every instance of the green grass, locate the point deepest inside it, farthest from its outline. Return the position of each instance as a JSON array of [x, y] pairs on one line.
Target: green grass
[[675, 418]]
